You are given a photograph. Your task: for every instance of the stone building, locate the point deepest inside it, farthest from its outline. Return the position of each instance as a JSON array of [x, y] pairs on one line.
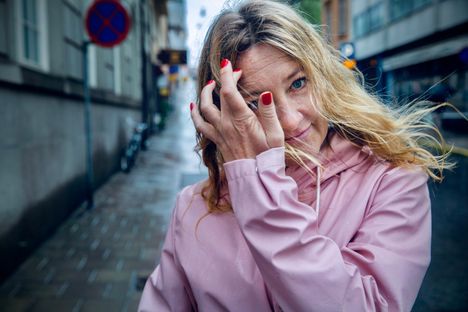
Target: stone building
[[42, 142]]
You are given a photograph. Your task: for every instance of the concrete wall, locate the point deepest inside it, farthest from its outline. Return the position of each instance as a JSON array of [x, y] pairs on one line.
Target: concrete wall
[[43, 165], [418, 25], [42, 138]]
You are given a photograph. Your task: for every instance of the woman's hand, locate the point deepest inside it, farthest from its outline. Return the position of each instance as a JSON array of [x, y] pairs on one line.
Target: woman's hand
[[235, 129]]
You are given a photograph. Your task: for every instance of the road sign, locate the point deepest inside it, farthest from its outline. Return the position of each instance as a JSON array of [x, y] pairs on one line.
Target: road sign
[[173, 57], [347, 50], [107, 23]]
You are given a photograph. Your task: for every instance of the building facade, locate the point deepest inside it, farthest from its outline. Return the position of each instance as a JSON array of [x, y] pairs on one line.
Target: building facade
[[177, 12], [406, 47], [43, 149], [336, 20], [177, 32]]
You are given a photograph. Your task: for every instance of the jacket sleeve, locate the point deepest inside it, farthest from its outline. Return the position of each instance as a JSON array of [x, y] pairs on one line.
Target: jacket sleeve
[[167, 288], [381, 269]]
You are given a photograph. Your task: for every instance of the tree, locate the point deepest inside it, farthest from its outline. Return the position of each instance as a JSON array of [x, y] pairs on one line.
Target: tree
[[310, 9]]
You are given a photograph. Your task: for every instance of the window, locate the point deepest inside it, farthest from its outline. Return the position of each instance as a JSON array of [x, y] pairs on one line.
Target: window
[[399, 8], [105, 72], [33, 33], [3, 28], [371, 19], [73, 36], [30, 30], [129, 66], [343, 19], [328, 19], [376, 16], [420, 3], [361, 24]]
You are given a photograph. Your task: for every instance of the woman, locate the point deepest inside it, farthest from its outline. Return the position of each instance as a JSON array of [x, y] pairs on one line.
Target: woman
[[317, 194]]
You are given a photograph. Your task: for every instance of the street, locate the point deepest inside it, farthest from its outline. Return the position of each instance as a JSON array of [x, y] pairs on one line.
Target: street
[[99, 259], [445, 287]]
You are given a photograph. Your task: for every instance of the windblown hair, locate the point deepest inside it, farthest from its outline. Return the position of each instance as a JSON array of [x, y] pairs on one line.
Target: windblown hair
[[396, 135]]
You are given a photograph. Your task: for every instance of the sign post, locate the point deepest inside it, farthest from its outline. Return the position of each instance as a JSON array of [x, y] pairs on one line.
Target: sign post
[[107, 24], [348, 52]]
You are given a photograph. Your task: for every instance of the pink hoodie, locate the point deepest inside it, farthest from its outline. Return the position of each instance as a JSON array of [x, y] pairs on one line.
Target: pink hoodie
[[359, 240]]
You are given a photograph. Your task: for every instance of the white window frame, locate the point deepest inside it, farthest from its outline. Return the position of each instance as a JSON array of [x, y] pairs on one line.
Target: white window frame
[[92, 66], [43, 38], [117, 71]]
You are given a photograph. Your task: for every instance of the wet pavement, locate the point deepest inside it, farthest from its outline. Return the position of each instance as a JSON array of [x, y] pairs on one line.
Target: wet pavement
[[99, 259], [445, 287]]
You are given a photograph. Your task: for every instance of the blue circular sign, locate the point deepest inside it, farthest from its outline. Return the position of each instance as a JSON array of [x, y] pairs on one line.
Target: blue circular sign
[[107, 23]]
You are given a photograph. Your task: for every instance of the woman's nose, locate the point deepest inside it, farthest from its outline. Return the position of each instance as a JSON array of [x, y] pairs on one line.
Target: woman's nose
[[289, 117]]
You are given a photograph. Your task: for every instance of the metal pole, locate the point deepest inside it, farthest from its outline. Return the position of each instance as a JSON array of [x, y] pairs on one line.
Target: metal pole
[[144, 73], [88, 130]]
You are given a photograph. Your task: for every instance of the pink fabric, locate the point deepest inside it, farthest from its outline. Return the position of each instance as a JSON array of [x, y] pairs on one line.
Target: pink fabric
[[367, 250]]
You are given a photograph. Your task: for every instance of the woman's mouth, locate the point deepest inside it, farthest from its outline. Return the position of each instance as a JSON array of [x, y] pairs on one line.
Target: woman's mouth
[[300, 135]]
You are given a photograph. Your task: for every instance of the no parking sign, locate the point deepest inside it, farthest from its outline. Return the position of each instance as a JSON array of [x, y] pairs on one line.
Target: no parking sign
[[107, 23]]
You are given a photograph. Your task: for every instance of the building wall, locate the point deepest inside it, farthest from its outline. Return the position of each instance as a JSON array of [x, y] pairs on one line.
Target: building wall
[[159, 27], [336, 20], [42, 158], [177, 27], [43, 163], [433, 16], [411, 46]]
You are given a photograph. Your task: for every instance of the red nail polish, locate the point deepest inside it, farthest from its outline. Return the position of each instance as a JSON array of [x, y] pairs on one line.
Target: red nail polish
[[237, 70], [191, 106], [210, 82], [267, 98], [224, 63]]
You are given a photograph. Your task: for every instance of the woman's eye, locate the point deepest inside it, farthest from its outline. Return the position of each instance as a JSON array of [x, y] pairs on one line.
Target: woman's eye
[[252, 104], [298, 83]]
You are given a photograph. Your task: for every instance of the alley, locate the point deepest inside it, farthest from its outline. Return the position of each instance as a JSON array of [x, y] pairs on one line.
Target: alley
[[98, 260]]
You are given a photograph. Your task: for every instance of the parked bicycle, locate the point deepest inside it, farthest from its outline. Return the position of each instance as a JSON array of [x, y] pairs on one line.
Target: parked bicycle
[[130, 153]]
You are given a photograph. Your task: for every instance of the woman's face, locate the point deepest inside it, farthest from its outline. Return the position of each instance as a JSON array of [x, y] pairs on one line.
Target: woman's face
[[265, 68]]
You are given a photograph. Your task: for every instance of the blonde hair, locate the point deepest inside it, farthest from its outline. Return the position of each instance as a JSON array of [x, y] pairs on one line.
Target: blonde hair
[[395, 135]]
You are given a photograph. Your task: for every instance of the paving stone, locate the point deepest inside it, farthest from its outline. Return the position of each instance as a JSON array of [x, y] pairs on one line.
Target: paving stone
[[96, 305], [113, 276], [39, 290], [16, 304], [47, 305], [130, 305]]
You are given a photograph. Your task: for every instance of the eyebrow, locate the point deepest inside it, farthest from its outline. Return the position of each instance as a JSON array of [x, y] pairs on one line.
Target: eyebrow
[[254, 93]]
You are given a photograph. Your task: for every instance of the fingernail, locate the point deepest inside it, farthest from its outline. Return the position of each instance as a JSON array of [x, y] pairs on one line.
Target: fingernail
[[267, 98], [210, 82], [224, 63], [191, 106], [237, 70]]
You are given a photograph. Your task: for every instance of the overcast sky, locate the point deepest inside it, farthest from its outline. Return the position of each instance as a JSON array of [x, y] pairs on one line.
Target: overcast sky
[[197, 25]]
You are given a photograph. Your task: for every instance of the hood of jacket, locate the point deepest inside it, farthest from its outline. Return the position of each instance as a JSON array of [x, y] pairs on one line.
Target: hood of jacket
[[337, 154]]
